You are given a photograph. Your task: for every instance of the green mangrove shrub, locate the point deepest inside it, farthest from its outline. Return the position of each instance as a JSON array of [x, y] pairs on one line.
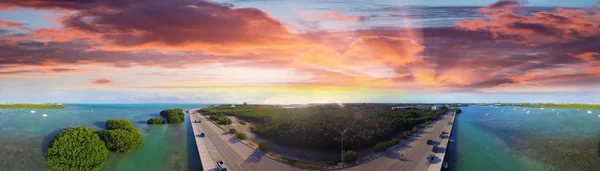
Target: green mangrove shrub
[[79, 148]]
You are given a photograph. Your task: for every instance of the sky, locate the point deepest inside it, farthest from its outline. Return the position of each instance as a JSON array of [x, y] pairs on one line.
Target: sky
[[288, 51]]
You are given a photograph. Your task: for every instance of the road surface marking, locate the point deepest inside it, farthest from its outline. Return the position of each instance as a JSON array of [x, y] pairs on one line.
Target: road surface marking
[[239, 166], [237, 153]]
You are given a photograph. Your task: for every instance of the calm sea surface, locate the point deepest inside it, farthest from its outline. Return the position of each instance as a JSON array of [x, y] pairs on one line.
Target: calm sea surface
[[515, 140], [24, 136]]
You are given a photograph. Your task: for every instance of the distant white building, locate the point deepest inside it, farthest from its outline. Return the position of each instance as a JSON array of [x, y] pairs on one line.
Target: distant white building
[[436, 107], [232, 105]]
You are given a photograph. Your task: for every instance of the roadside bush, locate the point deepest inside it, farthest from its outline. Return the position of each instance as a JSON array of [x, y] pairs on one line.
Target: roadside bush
[[263, 146], [77, 148], [406, 134], [242, 122], [382, 146], [232, 131], [173, 115], [120, 140], [155, 121], [415, 129], [349, 155], [120, 124], [457, 110], [241, 135]]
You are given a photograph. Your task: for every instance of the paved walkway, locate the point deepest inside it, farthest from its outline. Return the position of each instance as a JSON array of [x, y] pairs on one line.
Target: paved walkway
[[439, 157]]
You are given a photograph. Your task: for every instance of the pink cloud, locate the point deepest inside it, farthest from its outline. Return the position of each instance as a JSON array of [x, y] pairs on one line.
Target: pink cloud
[[102, 81]]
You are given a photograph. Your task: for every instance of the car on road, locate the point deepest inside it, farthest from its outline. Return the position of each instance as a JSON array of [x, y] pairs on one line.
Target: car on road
[[430, 158], [444, 132], [429, 142], [434, 149], [202, 134], [221, 166]]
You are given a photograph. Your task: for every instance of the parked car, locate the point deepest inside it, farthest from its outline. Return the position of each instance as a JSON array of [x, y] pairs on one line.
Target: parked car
[[444, 132], [429, 142], [221, 166], [434, 149], [202, 134]]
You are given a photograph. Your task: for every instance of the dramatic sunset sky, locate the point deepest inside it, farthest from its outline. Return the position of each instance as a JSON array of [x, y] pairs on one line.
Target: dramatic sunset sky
[[299, 51]]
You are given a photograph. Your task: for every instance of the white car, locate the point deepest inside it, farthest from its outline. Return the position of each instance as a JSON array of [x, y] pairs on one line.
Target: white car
[[221, 166]]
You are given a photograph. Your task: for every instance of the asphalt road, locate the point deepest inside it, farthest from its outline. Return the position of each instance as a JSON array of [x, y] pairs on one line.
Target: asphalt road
[[239, 157]]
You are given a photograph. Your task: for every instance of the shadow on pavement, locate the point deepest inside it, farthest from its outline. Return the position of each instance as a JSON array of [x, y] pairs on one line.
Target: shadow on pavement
[[255, 157], [440, 150], [233, 140]]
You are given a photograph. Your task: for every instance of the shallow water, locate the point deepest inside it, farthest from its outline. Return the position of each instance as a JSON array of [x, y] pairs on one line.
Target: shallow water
[[515, 140], [25, 135]]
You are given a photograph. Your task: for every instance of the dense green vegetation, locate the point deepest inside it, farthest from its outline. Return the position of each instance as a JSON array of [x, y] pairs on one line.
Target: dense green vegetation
[[77, 148], [457, 110], [221, 119], [32, 106], [121, 140], [321, 126], [406, 134], [241, 135], [382, 146], [242, 122], [113, 124], [263, 146], [232, 131], [155, 121], [566, 106], [173, 115], [121, 136], [349, 155]]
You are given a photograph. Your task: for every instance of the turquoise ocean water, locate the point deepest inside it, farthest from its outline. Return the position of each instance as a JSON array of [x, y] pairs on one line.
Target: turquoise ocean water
[[515, 140], [24, 136]]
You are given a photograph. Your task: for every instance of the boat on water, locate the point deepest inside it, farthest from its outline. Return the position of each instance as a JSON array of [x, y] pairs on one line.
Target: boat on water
[[487, 114], [502, 111], [589, 112], [44, 115], [33, 111], [445, 165], [558, 113], [450, 140], [542, 108], [528, 112], [553, 109]]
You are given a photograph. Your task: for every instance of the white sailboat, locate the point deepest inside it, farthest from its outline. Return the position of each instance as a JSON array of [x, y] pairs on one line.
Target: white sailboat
[[558, 113], [33, 111], [528, 112], [553, 110], [44, 115], [589, 112]]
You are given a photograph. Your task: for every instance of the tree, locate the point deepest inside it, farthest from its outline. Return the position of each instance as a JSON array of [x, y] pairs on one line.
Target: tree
[[120, 124], [232, 131], [121, 140], [415, 129], [173, 115], [77, 148], [155, 121], [263, 146], [457, 110], [349, 155]]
